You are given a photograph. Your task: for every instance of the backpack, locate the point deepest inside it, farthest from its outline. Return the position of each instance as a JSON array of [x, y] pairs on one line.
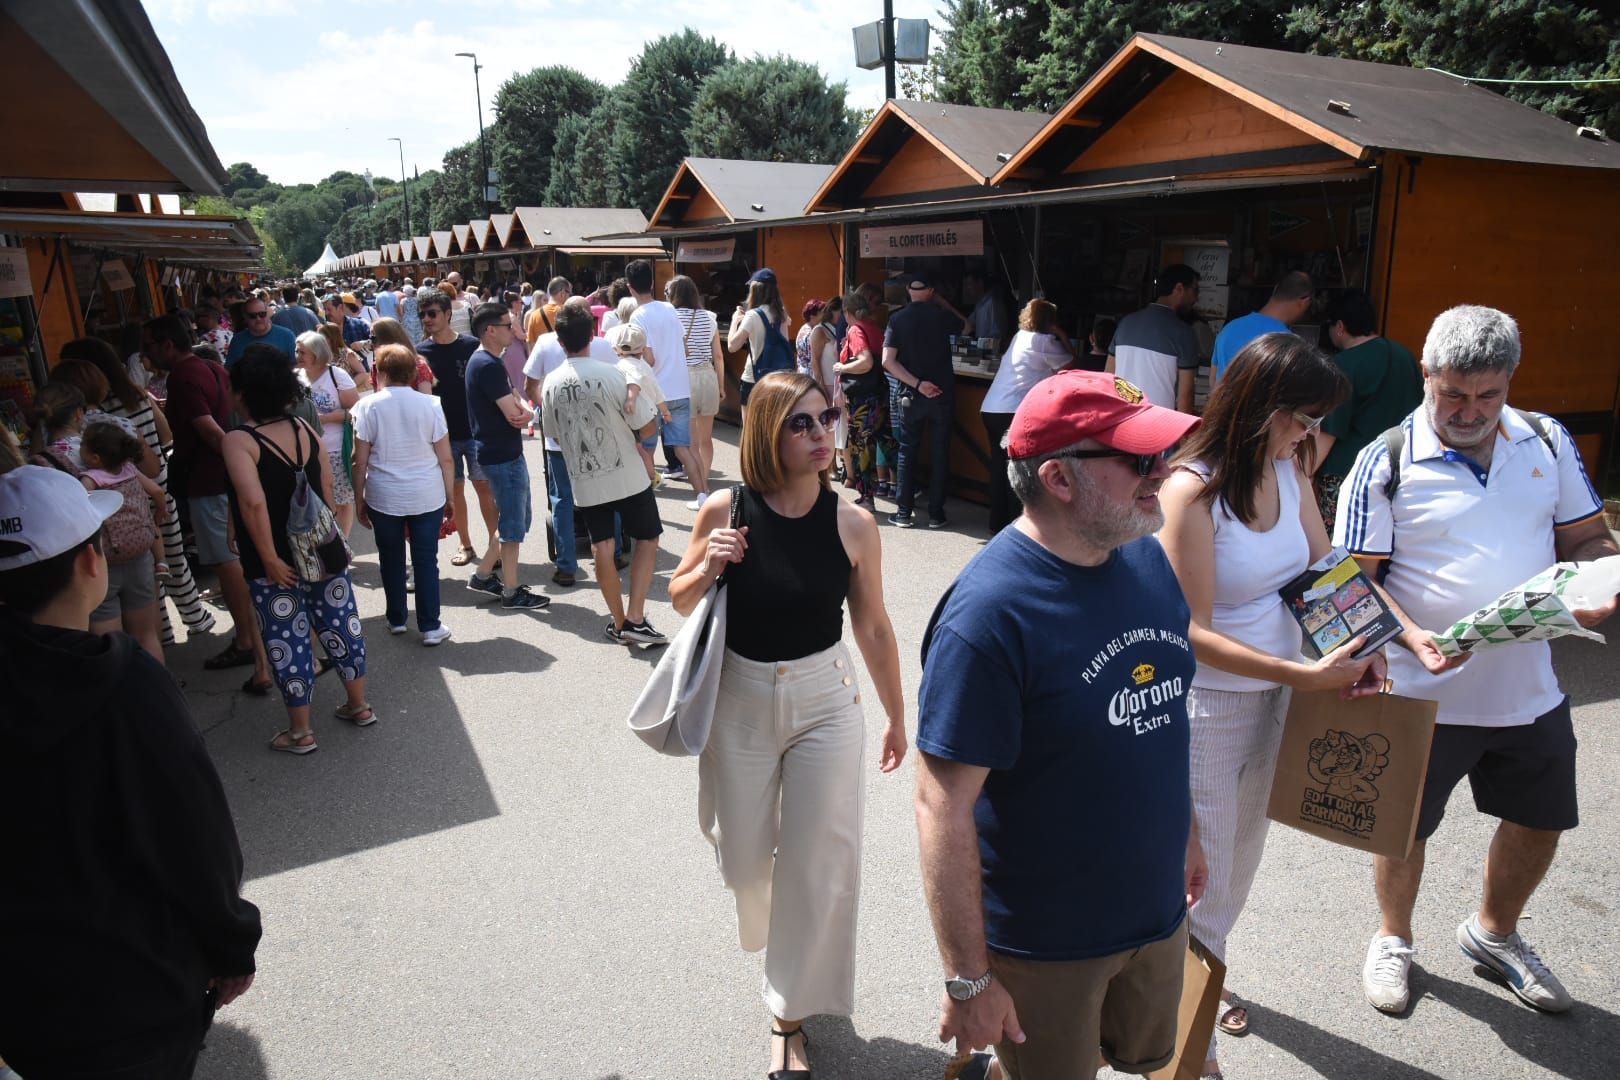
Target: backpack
[[777, 352], [1395, 442], [129, 533], [317, 547]]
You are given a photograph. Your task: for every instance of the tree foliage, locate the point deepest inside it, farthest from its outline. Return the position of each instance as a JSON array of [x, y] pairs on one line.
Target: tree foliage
[[528, 111], [654, 111], [579, 171], [454, 197], [770, 109]]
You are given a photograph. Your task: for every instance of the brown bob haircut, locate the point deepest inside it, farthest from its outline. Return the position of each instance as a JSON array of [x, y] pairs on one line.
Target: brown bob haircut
[[769, 407], [397, 364], [1273, 374]]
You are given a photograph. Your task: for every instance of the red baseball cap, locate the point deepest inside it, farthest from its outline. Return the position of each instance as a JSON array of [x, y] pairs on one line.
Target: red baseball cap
[[1075, 405]]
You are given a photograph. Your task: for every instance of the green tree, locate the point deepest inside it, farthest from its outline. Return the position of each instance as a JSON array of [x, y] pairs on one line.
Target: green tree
[[528, 110], [654, 111], [579, 172], [770, 109], [299, 223], [453, 198], [984, 46], [242, 175]]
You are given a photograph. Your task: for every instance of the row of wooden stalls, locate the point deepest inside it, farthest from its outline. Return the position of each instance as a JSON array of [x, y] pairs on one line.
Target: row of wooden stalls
[[92, 237], [1423, 190], [532, 243]]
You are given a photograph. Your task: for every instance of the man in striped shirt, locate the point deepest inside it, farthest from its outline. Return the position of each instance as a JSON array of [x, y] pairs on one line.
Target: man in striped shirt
[[1155, 348]]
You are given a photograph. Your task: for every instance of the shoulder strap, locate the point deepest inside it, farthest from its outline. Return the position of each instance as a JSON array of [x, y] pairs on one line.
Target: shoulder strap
[[298, 442], [1538, 423], [1395, 443]]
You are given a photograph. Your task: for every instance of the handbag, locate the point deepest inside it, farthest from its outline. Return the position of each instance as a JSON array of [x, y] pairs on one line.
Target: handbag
[[676, 707]]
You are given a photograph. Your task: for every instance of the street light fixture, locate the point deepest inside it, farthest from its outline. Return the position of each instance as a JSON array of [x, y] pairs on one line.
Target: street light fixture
[[483, 152], [404, 181], [890, 41]]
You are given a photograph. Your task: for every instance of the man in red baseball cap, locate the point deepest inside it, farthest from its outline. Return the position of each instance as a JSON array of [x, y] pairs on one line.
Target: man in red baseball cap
[[1053, 700]]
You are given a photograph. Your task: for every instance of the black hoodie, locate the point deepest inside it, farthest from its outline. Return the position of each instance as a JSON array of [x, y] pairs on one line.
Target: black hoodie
[[119, 865]]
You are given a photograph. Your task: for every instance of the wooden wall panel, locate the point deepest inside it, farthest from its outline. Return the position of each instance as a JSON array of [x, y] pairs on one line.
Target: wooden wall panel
[[57, 312], [700, 209], [917, 166], [1186, 118], [808, 260]]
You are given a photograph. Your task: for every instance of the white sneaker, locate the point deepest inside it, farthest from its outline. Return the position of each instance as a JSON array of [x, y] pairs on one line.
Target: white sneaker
[[697, 503], [1383, 977], [438, 635], [1518, 963], [396, 630]]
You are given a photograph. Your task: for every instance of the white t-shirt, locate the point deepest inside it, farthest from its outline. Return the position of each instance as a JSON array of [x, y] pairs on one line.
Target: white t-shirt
[[325, 394], [461, 316], [1459, 541], [548, 355], [583, 402], [667, 339], [403, 476], [1029, 358], [610, 319]]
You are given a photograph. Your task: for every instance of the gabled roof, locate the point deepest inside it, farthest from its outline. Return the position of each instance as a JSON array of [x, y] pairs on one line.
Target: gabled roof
[[441, 243], [502, 224], [1355, 107], [736, 187], [461, 232], [568, 226], [973, 139], [478, 234], [423, 246]]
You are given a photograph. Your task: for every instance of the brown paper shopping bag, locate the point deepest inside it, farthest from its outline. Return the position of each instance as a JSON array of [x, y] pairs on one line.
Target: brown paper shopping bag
[[1200, 999], [1352, 771]]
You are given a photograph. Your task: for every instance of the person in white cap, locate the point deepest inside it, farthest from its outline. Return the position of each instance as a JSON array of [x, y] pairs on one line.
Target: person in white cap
[[122, 921]]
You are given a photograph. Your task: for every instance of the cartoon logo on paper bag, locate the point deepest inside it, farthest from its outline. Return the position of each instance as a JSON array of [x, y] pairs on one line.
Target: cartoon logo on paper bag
[[1345, 765]]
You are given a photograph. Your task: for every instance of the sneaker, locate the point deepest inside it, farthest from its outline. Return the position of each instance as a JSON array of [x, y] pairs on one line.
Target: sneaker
[[901, 520], [1383, 976], [937, 523], [697, 503], [490, 585], [524, 600], [614, 634], [396, 630], [563, 578], [642, 633], [437, 636], [1517, 962], [673, 472]]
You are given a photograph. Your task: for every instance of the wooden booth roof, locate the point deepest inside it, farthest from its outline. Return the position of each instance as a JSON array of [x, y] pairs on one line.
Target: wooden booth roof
[[574, 227], [220, 243], [1288, 105], [727, 190], [478, 234], [101, 108], [912, 147]]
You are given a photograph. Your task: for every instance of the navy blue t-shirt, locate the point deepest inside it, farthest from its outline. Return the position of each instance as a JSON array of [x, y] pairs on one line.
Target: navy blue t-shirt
[[487, 383], [448, 362], [1069, 683]]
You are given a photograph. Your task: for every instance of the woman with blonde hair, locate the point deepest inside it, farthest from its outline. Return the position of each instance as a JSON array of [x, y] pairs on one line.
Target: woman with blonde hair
[[1039, 348], [781, 783], [334, 394], [386, 331], [342, 355]]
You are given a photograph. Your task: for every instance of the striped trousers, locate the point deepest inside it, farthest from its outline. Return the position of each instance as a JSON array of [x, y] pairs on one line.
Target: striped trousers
[[181, 587], [1235, 736]]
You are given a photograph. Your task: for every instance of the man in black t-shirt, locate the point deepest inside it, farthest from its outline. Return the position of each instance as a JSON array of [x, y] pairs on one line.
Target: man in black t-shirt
[[917, 353], [447, 354]]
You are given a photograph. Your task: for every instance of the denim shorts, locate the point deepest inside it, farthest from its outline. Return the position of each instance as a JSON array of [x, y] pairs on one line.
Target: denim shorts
[[677, 430], [210, 515], [466, 450], [509, 483]]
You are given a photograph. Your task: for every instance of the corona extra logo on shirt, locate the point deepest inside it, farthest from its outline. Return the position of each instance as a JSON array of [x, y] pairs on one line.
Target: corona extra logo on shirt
[[1143, 674], [1137, 705], [1128, 391]]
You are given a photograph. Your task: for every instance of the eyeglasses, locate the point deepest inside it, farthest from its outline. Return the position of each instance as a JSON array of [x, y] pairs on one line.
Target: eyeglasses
[[429, 313], [507, 325], [800, 423], [257, 314], [1145, 463], [1308, 422]]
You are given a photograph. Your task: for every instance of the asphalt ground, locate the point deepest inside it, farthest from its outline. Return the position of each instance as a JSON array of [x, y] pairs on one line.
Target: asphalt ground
[[497, 880]]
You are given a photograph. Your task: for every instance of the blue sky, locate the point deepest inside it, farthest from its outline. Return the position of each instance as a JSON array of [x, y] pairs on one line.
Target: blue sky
[[302, 89]]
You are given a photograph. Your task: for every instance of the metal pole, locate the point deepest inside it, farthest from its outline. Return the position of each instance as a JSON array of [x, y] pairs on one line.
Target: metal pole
[[483, 151], [888, 49], [404, 181]]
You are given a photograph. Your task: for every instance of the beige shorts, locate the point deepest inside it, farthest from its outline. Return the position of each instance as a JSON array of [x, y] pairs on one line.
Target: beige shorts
[[1125, 1004], [705, 389]]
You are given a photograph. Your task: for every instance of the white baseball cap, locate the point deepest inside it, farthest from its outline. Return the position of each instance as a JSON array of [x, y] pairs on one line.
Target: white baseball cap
[[48, 513]]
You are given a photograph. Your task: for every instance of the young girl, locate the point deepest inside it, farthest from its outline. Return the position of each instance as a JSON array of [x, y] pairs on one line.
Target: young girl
[[629, 341], [108, 455], [58, 418]]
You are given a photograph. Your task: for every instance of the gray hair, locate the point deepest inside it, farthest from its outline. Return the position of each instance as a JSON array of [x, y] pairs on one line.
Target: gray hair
[[316, 343], [1470, 340], [855, 305], [1024, 474]]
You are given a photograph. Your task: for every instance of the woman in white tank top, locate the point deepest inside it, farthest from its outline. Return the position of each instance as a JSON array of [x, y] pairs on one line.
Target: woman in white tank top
[[1238, 526]]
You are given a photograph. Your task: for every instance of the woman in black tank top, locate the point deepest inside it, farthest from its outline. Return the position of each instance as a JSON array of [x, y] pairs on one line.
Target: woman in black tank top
[[781, 780]]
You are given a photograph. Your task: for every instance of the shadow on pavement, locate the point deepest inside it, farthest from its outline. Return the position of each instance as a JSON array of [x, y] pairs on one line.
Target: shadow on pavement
[[231, 1052], [1578, 1044], [1333, 1056], [838, 1053], [1586, 669]]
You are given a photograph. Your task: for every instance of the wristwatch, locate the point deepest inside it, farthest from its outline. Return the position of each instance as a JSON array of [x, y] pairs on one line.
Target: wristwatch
[[961, 989]]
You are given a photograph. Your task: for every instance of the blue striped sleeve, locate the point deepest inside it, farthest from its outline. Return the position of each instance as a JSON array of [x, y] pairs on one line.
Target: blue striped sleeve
[[1364, 524], [1577, 498]]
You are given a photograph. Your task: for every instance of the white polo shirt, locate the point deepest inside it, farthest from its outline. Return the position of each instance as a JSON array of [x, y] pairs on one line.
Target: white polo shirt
[[1457, 539]]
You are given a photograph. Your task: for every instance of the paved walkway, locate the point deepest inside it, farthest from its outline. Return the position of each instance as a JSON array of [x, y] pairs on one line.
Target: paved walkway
[[498, 881]]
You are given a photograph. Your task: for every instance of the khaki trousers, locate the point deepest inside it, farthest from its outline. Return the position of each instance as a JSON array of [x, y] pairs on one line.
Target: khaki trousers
[[781, 795]]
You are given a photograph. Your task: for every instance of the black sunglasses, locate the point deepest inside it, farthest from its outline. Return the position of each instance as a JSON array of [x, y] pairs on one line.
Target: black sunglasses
[[257, 314], [1145, 463], [800, 423]]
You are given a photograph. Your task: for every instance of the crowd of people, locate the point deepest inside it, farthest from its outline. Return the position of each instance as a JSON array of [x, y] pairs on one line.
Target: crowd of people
[[1155, 537]]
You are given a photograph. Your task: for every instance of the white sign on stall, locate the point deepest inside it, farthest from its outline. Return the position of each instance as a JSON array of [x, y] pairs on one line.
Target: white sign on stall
[[932, 238], [116, 274], [14, 273], [706, 251], [1212, 263]]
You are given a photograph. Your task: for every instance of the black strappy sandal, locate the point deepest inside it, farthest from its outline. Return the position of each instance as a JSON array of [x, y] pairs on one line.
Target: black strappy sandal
[[790, 1074]]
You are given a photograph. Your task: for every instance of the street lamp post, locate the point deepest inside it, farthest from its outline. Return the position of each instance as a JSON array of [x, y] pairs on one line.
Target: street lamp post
[[483, 152], [404, 182]]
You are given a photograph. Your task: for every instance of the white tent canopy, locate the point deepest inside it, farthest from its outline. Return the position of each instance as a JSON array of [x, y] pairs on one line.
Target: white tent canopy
[[326, 264]]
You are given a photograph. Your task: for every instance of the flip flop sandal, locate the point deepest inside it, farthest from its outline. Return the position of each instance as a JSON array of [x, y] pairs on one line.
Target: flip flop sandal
[[364, 716], [294, 744], [230, 657], [257, 689], [1233, 1025], [463, 557]]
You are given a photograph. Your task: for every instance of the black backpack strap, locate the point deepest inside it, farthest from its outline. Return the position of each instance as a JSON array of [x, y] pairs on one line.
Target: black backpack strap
[[1395, 443], [1538, 424]]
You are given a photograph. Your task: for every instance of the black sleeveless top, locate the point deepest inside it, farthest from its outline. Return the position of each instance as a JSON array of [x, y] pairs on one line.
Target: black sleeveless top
[[276, 478], [785, 600]]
